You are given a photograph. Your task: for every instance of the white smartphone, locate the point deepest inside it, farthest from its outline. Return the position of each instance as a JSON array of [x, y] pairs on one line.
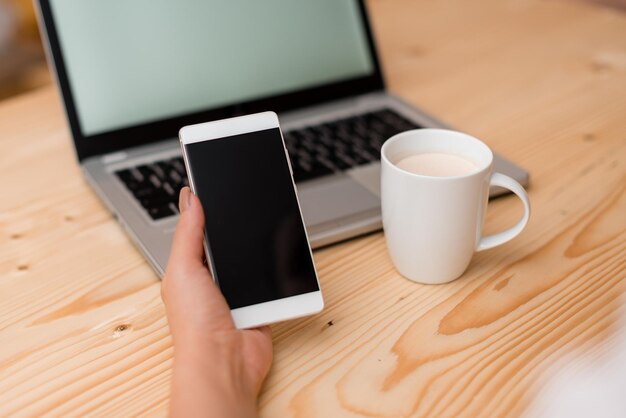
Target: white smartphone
[[255, 241]]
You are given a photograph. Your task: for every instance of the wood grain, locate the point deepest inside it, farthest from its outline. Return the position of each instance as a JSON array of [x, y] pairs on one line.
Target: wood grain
[[82, 327]]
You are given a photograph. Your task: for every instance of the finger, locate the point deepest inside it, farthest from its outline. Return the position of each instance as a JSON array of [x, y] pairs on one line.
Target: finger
[[265, 330], [187, 246]]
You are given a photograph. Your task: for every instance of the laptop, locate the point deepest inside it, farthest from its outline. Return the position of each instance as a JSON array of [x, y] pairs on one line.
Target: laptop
[[132, 73]]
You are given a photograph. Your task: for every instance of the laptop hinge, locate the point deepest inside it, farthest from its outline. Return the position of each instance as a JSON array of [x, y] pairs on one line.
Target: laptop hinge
[[114, 157]]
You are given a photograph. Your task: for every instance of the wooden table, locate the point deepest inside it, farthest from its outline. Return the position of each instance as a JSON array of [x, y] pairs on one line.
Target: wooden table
[[82, 326]]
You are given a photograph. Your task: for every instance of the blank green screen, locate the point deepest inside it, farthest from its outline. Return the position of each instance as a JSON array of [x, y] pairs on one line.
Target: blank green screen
[[135, 61]]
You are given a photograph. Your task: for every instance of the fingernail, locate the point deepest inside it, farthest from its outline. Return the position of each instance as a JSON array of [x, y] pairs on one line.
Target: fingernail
[[189, 197], [184, 199]]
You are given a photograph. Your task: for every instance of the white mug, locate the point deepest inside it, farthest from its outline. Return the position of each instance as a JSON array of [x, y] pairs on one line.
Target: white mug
[[433, 225]]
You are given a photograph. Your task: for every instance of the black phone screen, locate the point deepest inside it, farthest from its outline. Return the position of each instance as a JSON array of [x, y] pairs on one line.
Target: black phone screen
[[254, 231]]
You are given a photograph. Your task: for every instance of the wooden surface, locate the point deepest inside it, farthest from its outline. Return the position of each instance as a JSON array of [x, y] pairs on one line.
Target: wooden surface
[[82, 326]]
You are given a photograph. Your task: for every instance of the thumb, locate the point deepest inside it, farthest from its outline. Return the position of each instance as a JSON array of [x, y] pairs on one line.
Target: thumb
[[187, 251], [188, 284]]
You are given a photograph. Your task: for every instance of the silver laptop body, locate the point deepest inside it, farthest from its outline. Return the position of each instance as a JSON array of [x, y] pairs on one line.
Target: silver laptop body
[[335, 206]]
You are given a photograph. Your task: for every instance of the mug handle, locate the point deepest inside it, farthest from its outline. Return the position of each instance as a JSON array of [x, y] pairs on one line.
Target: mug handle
[[494, 240]]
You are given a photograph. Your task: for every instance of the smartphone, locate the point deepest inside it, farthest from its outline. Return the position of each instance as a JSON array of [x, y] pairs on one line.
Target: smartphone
[[256, 243]]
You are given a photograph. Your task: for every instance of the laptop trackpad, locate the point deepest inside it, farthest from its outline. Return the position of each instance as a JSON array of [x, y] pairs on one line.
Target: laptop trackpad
[[334, 199]]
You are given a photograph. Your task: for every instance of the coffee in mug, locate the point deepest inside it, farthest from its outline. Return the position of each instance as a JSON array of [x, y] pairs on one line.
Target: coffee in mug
[[436, 164], [434, 191]]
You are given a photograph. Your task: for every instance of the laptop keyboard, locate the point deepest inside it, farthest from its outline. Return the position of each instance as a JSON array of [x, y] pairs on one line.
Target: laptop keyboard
[[341, 144], [314, 152], [156, 185]]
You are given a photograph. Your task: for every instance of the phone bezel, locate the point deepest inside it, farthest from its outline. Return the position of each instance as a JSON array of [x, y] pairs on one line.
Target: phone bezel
[[276, 310]]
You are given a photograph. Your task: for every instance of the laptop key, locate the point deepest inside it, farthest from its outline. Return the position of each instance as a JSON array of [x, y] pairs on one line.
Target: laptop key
[[144, 192], [136, 174], [321, 151], [159, 212], [157, 169], [311, 172], [366, 155], [175, 176], [178, 165], [168, 189], [156, 198], [304, 165], [154, 179], [144, 170], [129, 179]]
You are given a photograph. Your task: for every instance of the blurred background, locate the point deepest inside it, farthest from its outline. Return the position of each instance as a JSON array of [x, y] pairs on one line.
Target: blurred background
[[22, 60]]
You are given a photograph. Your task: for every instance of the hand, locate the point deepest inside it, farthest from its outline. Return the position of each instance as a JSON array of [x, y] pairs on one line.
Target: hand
[[218, 369]]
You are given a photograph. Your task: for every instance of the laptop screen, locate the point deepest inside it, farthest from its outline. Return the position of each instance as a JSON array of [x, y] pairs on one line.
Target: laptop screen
[[134, 62]]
